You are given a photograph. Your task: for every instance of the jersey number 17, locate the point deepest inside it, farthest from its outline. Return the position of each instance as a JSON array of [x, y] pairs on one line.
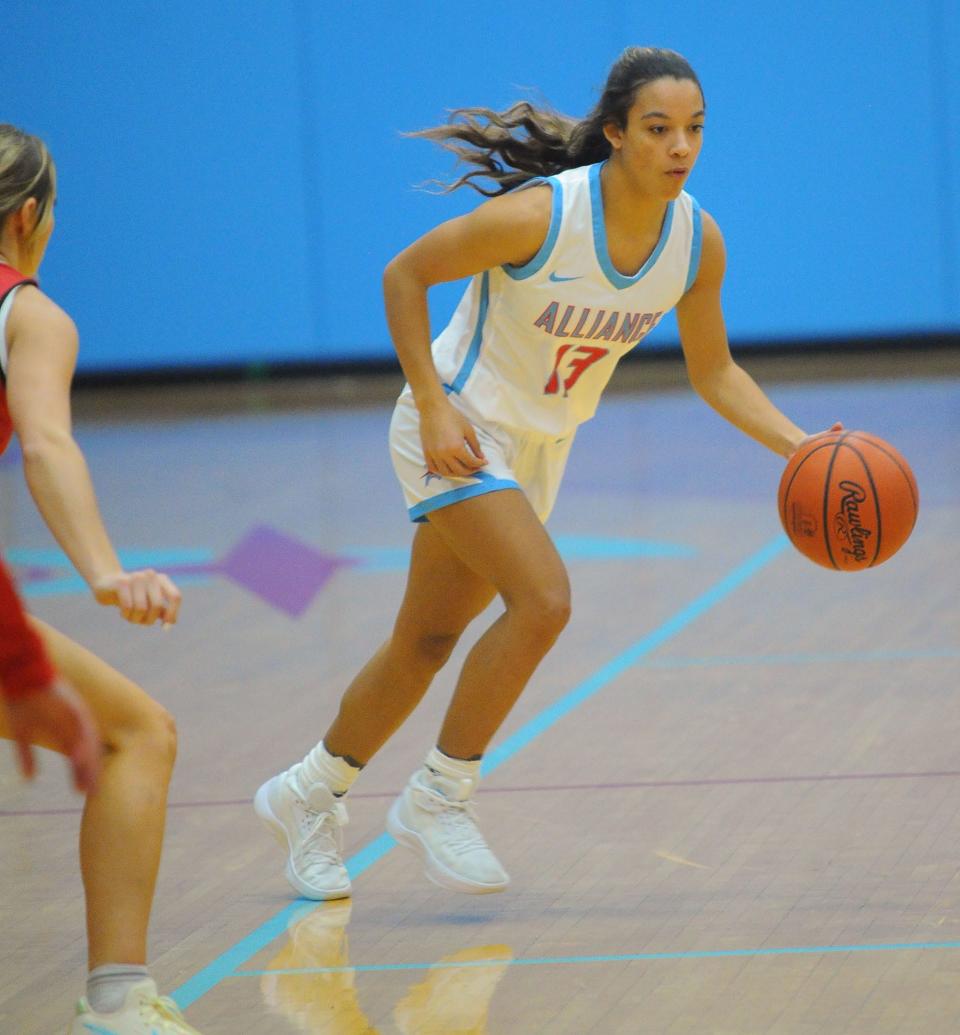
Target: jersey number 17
[[579, 359]]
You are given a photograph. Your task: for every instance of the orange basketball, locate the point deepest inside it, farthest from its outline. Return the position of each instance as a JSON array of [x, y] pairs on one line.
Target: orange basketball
[[848, 500]]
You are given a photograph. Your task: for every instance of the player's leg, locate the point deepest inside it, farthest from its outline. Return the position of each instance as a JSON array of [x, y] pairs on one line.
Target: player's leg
[[443, 595], [301, 806], [123, 822], [121, 836], [505, 543]]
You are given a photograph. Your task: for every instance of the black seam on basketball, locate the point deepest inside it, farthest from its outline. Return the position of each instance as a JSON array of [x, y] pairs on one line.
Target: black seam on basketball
[[907, 476], [876, 500], [786, 492], [826, 499]]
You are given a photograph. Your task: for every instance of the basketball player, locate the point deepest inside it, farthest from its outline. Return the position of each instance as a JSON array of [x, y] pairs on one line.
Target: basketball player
[[588, 239], [123, 820]]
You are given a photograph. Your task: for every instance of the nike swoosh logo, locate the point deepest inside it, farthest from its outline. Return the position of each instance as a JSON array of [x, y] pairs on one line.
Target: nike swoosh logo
[[559, 280]]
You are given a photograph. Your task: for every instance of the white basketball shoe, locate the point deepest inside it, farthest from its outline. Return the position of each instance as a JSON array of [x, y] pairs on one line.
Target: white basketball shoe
[[436, 818], [310, 829], [144, 1012]]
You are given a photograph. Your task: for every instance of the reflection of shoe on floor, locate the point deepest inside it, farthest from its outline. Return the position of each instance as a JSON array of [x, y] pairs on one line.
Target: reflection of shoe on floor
[[310, 828], [436, 818], [321, 1004], [454, 1000], [144, 1013]]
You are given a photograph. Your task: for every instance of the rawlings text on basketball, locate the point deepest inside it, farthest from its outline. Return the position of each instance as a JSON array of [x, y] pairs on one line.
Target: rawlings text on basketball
[[848, 523]]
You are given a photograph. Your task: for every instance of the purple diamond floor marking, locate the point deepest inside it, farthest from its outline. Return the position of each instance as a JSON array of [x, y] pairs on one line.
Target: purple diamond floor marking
[[282, 571]]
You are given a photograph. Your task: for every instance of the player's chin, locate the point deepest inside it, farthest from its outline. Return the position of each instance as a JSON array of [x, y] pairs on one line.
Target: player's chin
[[674, 186]]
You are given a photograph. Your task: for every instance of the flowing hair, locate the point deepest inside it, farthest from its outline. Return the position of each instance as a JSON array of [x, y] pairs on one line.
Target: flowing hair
[[524, 141]]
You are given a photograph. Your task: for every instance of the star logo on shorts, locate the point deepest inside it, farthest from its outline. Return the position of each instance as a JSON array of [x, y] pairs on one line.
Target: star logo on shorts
[[429, 476]]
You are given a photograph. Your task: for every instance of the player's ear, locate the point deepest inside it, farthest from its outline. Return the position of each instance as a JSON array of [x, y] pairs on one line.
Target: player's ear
[[614, 135], [25, 218]]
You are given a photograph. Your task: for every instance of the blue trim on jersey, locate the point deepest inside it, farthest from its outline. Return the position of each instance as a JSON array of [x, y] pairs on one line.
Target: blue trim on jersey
[[616, 278], [473, 350], [485, 483], [695, 244], [540, 259]]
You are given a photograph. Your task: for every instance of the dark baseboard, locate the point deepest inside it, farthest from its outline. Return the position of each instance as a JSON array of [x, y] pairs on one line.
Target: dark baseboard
[[258, 373]]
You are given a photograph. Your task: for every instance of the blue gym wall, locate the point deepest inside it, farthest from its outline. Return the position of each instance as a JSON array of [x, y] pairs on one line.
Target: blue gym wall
[[232, 179]]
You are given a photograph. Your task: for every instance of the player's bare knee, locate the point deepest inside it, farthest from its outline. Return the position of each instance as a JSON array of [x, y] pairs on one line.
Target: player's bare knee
[[151, 732], [434, 649], [546, 611], [165, 734], [157, 734]]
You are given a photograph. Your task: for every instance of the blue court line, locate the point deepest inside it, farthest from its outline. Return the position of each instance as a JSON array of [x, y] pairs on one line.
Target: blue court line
[[632, 655], [228, 963], [136, 558], [626, 957], [73, 583], [375, 559]]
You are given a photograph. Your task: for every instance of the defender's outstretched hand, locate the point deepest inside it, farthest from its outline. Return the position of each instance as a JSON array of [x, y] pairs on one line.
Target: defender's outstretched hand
[[142, 597], [58, 717]]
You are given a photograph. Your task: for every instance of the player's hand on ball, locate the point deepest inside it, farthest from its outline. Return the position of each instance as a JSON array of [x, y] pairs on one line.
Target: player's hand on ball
[[143, 597], [835, 427]]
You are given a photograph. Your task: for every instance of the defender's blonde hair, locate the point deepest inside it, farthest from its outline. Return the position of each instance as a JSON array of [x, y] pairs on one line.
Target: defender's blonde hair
[[26, 171]]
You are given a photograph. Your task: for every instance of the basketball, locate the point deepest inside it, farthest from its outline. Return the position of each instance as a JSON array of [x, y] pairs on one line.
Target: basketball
[[848, 500]]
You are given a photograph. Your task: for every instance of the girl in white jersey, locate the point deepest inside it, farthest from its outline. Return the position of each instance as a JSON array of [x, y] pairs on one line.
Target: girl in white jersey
[[121, 833], [569, 272]]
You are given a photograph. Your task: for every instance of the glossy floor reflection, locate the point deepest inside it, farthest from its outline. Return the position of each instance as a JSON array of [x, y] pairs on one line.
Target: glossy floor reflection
[[311, 983]]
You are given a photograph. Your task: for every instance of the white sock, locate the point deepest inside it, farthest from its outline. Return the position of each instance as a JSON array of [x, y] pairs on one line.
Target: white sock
[[319, 766], [107, 986], [453, 768]]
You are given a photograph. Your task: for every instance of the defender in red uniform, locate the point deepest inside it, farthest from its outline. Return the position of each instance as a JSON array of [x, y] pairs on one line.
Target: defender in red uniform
[[122, 829]]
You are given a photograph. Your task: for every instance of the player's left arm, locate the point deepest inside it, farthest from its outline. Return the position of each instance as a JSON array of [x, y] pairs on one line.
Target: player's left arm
[[717, 379]]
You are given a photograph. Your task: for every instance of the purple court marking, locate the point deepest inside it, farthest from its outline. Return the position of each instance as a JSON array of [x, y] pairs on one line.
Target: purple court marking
[[546, 789], [35, 573], [281, 570]]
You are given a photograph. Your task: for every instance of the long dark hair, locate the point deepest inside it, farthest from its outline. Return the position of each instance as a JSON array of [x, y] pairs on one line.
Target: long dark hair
[[524, 141]]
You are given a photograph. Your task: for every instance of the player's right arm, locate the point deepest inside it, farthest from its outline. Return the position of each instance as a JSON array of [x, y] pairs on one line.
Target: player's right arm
[[42, 350], [505, 230]]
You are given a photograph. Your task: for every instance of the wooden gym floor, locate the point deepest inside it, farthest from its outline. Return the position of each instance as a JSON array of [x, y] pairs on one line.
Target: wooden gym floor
[[729, 800]]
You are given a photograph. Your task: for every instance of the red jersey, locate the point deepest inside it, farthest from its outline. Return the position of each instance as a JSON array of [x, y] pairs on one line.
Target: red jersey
[[9, 279], [24, 666]]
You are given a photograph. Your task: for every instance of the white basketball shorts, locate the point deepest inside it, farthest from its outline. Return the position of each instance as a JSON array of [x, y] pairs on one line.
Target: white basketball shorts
[[515, 460]]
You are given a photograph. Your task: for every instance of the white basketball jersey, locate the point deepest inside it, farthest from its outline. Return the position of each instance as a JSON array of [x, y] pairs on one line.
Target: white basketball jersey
[[532, 347]]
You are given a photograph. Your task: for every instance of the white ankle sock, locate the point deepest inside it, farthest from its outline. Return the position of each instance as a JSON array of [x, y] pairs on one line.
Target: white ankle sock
[[319, 766], [107, 986], [453, 768]]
